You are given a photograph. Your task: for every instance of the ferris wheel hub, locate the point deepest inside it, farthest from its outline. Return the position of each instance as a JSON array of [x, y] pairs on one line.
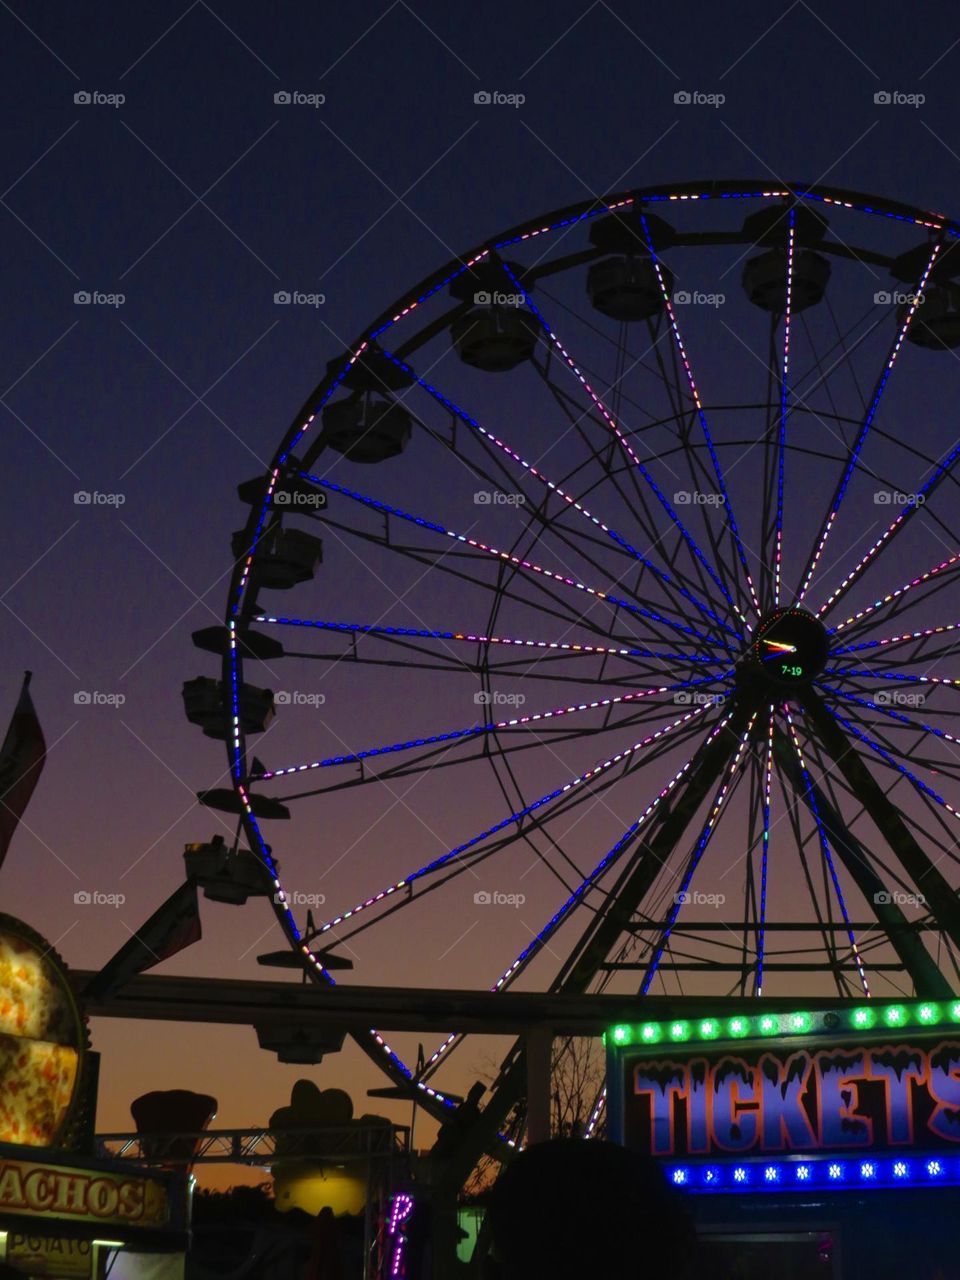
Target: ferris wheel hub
[[789, 646]]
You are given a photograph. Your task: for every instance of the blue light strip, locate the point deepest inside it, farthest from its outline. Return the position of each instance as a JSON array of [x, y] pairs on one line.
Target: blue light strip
[[465, 418], [631, 454], [891, 712], [765, 853], [884, 754], [388, 509], [419, 633], [865, 427], [784, 393], [941, 470], [827, 854], [497, 726], [824, 1172], [710, 826], [701, 416]]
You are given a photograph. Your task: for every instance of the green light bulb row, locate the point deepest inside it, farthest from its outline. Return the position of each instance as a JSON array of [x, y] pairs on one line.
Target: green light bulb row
[[866, 1018]]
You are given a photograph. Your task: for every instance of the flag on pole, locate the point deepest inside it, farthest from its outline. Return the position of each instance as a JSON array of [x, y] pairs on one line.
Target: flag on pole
[[21, 760], [172, 927]]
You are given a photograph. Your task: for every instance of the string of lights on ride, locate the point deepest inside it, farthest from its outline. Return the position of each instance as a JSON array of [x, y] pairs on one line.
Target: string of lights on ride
[[471, 422], [892, 713], [518, 562], [826, 851], [530, 951], [784, 392], [904, 638], [419, 633], [514, 722], [701, 415], [881, 751], [866, 425], [571, 785], [941, 471], [897, 594], [624, 442], [708, 830], [765, 850]]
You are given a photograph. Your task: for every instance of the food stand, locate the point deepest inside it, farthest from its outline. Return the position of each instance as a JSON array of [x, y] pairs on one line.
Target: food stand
[[63, 1211]]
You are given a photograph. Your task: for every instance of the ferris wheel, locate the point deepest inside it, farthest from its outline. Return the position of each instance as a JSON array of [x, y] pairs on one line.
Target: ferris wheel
[[607, 589]]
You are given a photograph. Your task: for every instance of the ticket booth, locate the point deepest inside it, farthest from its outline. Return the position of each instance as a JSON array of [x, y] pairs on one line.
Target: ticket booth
[[811, 1144]]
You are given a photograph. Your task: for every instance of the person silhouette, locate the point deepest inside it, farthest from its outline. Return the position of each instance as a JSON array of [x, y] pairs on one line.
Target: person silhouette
[[586, 1209]]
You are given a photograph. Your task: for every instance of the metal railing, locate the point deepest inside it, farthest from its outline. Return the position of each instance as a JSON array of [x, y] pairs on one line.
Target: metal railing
[[263, 1146]]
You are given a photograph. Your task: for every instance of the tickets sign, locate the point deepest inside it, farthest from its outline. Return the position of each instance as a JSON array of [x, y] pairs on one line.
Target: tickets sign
[[82, 1195], [775, 1100]]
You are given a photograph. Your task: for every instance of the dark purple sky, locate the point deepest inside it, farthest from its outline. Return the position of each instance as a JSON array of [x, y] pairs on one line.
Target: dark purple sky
[[196, 199]]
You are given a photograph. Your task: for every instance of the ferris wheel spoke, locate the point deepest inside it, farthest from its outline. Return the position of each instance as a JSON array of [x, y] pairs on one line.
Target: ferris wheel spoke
[[765, 849], [809, 796], [471, 731], [864, 673], [857, 447], [929, 880], [419, 633], [890, 642], [893, 714], [575, 899], [545, 739], [732, 772], [784, 393], [701, 415], [571, 502], [518, 563], [858, 620], [570, 785], [625, 444], [941, 472], [638, 501]]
